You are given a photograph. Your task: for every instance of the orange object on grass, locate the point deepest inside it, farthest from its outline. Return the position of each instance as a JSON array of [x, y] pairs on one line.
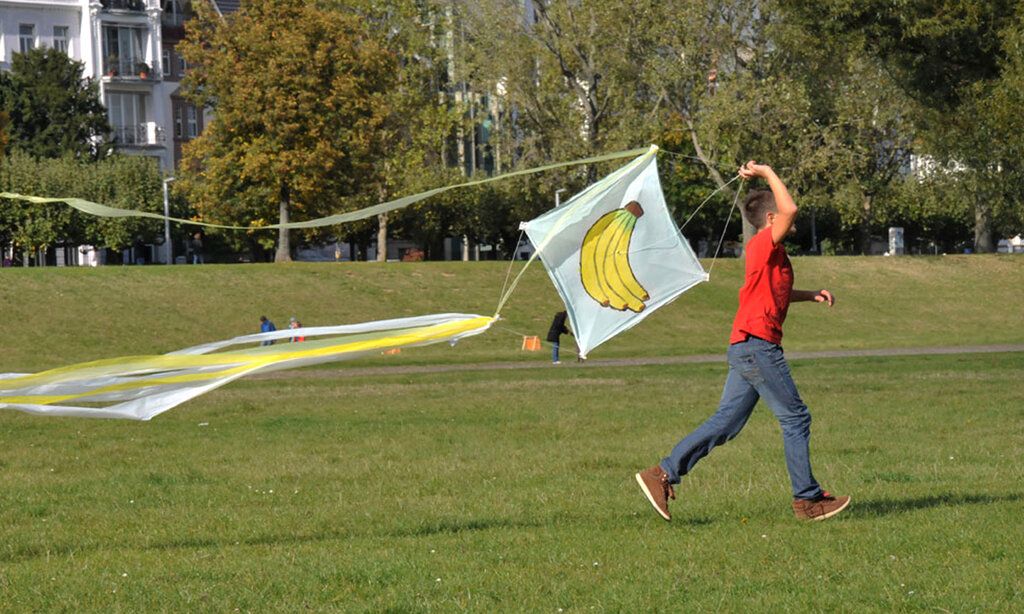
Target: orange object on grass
[[531, 344]]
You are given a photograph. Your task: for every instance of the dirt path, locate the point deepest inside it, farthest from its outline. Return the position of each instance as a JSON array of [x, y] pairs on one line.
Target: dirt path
[[634, 362]]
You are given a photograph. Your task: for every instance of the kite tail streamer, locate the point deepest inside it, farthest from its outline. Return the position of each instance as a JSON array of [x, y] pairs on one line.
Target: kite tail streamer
[[141, 387], [100, 210]]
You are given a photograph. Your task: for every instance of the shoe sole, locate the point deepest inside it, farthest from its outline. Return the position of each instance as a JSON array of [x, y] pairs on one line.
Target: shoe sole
[[833, 512], [643, 487]]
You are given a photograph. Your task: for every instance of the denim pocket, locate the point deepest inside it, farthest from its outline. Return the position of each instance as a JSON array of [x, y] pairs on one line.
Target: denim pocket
[[747, 366]]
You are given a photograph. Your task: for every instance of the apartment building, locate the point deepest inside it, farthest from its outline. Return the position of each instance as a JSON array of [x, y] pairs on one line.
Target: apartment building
[[129, 48]]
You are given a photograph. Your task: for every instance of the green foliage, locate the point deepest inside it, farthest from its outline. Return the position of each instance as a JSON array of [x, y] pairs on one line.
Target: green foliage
[[957, 61], [132, 182], [571, 76], [5, 136], [52, 111], [299, 101]]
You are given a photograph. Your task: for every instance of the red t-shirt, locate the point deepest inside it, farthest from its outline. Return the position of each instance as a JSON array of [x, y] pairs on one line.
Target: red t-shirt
[[764, 297]]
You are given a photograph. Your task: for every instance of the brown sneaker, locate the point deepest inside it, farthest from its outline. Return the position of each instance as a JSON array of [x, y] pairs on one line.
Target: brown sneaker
[[654, 483], [825, 506]]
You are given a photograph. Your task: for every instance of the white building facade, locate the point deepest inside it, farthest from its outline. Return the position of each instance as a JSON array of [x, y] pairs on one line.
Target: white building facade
[[119, 44]]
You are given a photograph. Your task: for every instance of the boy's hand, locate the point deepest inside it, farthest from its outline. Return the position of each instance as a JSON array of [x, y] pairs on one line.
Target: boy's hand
[[824, 296], [752, 170]]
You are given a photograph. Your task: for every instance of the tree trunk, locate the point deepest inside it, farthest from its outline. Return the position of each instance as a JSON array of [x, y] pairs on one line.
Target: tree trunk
[[983, 243], [382, 237], [284, 245], [864, 227]]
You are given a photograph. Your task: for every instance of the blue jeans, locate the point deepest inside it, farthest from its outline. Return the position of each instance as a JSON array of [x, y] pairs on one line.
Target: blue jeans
[[757, 369], [554, 351]]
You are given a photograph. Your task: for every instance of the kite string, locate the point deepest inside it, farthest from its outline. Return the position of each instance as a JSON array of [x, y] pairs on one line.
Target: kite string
[[725, 227], [710, 196], [511, 263]]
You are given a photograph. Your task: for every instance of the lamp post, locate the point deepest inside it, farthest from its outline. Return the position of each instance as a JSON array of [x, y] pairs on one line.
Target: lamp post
[[168, 247], [558, 200]]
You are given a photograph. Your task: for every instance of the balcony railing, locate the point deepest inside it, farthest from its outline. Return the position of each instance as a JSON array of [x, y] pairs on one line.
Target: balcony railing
[[139, 135], [128, 67], [124, 5]]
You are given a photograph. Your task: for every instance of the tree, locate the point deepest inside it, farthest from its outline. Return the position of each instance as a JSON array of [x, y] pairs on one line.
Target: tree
[[51, 109], [949, 56], [419, 123], [298, 96], [5, 137], [569, 69], [131, 182]]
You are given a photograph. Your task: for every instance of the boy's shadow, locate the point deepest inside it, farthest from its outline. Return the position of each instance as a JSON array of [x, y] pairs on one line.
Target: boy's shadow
[[886, 507]]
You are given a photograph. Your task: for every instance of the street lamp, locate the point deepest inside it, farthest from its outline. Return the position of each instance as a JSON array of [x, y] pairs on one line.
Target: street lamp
[[167, 223], [558, 200]]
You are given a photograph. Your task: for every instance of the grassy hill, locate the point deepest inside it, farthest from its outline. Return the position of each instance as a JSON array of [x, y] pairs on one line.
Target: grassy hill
[[59, 316], [512, 490]]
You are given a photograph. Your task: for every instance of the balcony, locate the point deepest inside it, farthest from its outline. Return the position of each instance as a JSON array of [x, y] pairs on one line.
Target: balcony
[[133, 6], [148, 134], [127, 68]]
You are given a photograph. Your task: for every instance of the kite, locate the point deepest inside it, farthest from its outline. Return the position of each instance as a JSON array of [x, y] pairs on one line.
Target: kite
[[612, 251]]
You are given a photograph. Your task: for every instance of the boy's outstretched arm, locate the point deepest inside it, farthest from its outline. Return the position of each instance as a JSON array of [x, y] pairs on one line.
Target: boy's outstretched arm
[[785, 212], [818, 296]]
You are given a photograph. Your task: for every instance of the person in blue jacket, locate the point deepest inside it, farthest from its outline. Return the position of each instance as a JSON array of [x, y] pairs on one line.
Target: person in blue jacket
[[266, 326]]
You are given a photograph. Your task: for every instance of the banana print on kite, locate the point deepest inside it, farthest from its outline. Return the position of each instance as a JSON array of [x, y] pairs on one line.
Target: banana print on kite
[[604, 261]]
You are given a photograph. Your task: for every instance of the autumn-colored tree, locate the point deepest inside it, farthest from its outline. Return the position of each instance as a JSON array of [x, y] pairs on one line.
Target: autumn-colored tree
[[298, 100]]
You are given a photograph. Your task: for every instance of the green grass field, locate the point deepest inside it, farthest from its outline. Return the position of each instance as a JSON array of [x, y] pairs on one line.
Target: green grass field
[[512, 490]]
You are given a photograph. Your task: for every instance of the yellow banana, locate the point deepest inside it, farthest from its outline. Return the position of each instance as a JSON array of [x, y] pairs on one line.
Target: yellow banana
[[624, 223], [604, 261], [623, 267], [605, 253], [588, 259]]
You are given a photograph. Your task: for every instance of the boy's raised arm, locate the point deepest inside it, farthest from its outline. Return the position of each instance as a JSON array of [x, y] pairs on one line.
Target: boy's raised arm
[[785, 207]]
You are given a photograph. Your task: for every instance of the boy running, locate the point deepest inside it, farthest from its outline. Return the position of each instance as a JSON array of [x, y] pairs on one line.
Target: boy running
[[757, 367]]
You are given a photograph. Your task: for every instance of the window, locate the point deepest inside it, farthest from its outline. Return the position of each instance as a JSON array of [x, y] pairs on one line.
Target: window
[[174, 12], [193, 122], [178, 132], [182, 65], [27, 37], [165, 64], [122, 49], [127, 112], [60, 39]]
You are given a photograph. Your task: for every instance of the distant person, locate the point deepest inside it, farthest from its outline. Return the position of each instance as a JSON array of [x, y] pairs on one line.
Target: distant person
[[558, 328], [757, 365], [266, 326], [139, 251], [197, 248], [294, 324]]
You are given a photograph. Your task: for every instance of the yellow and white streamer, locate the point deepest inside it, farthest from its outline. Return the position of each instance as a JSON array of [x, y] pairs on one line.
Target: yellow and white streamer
[[141, 387]]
